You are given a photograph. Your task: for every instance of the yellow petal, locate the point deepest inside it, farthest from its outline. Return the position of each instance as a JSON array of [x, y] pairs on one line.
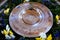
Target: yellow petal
[[11, 33], [57, 17], [6, 11], [5, 32], [49, 37], [38, 38]]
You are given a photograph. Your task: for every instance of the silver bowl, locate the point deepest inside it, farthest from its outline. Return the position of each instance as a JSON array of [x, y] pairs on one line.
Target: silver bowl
[[30, 19]]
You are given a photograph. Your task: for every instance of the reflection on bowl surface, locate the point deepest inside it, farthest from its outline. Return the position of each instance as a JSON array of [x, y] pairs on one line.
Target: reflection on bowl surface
[[30, 19]]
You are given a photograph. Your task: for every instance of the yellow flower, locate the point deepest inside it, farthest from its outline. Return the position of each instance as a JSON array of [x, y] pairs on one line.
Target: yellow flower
[[49, 37], [57, 18], [6, 11], [11, 33], [4, 32], [38, 38]]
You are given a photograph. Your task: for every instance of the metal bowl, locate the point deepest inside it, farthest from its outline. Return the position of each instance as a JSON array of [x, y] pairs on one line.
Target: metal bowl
[[30, 19]]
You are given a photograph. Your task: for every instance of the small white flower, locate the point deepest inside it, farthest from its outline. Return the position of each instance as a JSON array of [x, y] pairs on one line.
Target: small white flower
[[7, 27], [42, 35], [58, 22], [12, 36], [7, 37], [2, 32]]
